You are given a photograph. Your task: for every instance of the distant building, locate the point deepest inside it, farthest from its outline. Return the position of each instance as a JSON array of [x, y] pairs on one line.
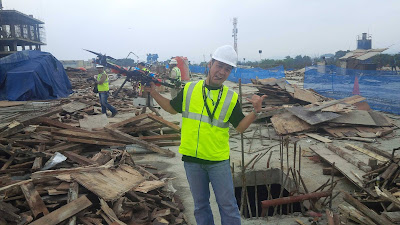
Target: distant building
[[365, 42], [360, 59], [19, 31]]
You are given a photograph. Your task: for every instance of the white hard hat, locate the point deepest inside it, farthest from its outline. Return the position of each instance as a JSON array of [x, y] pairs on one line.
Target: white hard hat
[[173, 61], [226, 54], [99, 66]]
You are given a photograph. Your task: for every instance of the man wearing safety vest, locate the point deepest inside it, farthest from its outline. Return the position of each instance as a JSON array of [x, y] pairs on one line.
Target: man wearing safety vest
[[142, 66], [175, 74], [208, 107], [103, 88]]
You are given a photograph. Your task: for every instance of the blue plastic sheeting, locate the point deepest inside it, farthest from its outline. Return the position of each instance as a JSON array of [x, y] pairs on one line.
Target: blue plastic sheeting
[[197, 69], [380, 88], [253, 73], [32, 75], [247, 74]]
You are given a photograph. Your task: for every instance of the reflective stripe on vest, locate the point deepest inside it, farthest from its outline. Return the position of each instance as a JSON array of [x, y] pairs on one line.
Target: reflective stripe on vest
[[177, 72], [201, 137], [104, 86]]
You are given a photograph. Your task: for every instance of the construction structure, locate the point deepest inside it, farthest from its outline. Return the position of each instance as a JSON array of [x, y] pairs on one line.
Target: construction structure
[[234, 33], [19, 31], [365, 42]]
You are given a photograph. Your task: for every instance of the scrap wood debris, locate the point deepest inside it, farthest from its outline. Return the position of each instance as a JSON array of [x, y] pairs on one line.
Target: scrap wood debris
[[56, 167], [293, 110]]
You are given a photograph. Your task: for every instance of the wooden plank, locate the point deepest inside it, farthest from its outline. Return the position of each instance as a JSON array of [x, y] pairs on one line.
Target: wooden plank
[[72, 196], [101, 136], [64, 212], [350, 100], [86, 141], [312, 117], [378, 151], [367, 152], [28, 121], [58, 172], [392, 216], [349, 157], [358, 117], [148, 185], [8, 163], [287, 123], [380, 119], [37, 164], [319, 137], [128, 121], [110, 213], [65, 147], [165, 122], [56, 123], [305, 95], [34, 200], [161, 137], [110, 184], [345, 167], [379, 219], [134, 140], [82, 160]]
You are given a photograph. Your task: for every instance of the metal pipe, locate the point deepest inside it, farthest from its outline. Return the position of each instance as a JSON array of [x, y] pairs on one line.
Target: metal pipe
[[242, 146], [292, 199]]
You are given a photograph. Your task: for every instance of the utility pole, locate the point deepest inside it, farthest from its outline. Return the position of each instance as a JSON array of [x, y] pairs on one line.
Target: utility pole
[[234, 34]]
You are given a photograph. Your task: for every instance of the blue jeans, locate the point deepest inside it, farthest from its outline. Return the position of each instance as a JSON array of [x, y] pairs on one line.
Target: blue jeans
[[199, 176], [104, 104]]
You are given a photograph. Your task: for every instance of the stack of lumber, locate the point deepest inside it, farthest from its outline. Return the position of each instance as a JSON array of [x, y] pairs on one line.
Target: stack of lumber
[[106, 188]]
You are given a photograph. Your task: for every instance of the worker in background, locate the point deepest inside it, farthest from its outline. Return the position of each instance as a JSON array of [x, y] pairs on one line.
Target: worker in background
[[142, 66], [208, 107], [393, 64], [103, 88], [175, 74]]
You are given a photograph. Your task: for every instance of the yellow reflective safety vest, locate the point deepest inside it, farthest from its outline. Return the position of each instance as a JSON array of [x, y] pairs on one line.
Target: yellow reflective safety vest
[[202, 137], [146, 70], [177, 72], [104, 86]]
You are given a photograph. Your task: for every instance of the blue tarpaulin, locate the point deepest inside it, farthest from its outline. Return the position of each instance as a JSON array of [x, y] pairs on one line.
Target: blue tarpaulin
[[32, 75]]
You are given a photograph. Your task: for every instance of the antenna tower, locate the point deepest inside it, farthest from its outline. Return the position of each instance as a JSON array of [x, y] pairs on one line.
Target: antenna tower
[[234, 34]]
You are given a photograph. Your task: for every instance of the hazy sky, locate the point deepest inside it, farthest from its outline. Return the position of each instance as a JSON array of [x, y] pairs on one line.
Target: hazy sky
[[196, 28]]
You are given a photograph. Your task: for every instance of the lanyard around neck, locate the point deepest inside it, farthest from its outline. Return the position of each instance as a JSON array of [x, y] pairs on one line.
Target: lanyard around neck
[[211, 115]]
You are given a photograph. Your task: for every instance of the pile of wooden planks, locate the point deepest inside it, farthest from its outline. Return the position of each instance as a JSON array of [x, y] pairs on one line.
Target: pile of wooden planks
[[378, 200], [342, 122], [106, 188]]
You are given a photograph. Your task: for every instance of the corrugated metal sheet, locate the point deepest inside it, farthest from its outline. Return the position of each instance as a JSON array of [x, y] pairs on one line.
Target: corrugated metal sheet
[[368, 55], [361, 54]]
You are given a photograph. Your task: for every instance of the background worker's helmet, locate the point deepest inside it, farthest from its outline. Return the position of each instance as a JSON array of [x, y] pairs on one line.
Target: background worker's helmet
[[226, 54], [173, 62]]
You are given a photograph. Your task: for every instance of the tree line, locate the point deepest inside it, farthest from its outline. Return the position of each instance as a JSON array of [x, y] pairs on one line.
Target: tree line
[[300, 61]]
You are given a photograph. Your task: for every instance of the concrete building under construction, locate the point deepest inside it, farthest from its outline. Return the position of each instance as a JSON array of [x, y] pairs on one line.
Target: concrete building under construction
[[19, 31]]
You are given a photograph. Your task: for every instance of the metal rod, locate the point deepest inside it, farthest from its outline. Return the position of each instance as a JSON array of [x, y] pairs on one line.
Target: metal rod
[[333, 172], [291, 199], [256, 193], [248, 203], [243, 199]]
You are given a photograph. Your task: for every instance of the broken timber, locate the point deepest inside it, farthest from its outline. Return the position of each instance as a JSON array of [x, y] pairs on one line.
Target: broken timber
[[134, 140], [64, 212]]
